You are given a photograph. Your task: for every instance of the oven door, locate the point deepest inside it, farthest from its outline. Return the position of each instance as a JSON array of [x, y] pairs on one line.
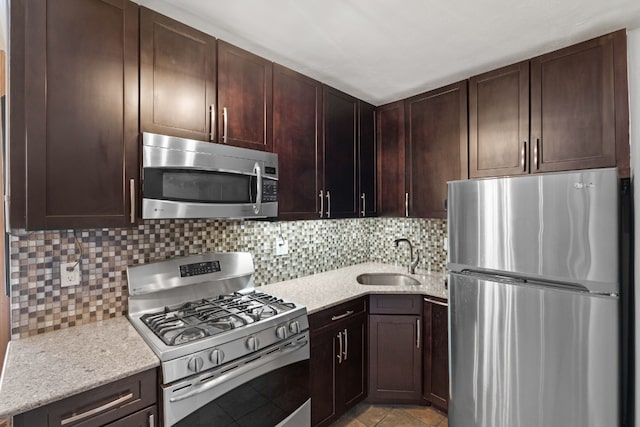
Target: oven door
[[268, 388]]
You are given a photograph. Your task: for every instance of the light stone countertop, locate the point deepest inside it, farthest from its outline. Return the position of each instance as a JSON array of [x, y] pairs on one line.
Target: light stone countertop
[[45, 368], [324, 290]]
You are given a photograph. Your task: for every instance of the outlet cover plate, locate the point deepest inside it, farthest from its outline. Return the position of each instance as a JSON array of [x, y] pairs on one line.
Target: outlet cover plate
[[282, 247], [69, 278]]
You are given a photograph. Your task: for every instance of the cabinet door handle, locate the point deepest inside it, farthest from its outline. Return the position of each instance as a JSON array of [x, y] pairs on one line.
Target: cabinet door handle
[[524, 156], [151, 421], [443, 304], [536, 153], [212, 113], [225, 122], [346, 344], [342, 316], [406, 204], [364, 204], [340, 348], [321, 195], [418, 333], [328, 204], [81, 416], [132, 200]]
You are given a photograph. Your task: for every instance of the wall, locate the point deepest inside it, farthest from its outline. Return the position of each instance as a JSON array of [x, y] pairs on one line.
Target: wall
[[39, 304], [633, 52]]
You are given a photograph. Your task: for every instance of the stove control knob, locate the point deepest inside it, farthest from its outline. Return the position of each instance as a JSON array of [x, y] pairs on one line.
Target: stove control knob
[[252, 343], [294, 327], [195, 364], [281, 332], [217, 356]]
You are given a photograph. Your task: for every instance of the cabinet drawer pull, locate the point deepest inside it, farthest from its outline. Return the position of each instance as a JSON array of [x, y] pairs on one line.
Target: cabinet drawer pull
[[321, 195], [225, 122], [328, 204], [364, 204], [342, 316], [443, 304], [340, 348], [94, 411], [132, 196], [213, 122], [151, 421], [417, 333], [406, 204]]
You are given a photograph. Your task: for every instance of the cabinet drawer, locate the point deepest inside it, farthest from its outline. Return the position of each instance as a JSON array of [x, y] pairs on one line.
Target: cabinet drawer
[[96, 407], [395, 304], [336, 314], [148, 417]]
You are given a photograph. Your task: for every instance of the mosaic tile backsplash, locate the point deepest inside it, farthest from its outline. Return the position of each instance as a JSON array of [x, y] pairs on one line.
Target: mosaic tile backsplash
[[39, 304]]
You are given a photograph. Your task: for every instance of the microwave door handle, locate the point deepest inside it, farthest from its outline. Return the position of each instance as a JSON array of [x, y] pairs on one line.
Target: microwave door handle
[[258, 171]]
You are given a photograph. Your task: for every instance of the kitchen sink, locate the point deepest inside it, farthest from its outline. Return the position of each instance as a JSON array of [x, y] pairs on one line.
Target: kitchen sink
[[386, 279]]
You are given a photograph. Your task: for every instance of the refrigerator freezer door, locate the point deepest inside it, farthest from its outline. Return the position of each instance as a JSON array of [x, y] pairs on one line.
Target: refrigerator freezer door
[[558, 227], [527, 356]]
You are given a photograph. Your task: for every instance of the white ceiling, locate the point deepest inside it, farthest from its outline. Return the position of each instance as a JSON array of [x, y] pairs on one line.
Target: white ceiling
[[385, 50]]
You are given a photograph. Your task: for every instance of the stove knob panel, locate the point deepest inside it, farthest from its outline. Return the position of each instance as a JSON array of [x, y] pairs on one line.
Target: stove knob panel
[[294, 327], [281, 332], [217, 356], [195, 364], [252, 343]]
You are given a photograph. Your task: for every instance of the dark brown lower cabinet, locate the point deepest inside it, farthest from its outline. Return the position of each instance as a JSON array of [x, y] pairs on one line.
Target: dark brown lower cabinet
[[338, 360], [395, 349], [127, 402], [436, 352]]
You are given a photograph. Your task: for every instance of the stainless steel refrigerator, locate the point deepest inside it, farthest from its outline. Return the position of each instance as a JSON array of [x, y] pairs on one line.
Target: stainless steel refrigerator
[[534, 301]]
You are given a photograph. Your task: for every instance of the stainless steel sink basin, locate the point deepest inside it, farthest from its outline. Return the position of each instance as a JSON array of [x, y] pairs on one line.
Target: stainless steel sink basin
[[386, 279]]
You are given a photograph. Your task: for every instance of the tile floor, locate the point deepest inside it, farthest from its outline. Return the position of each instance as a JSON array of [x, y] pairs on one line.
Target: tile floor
[[368, 415]]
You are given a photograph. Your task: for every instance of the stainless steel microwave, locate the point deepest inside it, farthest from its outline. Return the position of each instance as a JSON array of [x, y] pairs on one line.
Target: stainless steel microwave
[[183, 178]]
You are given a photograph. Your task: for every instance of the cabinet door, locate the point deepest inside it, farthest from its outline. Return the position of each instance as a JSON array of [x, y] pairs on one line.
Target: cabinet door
[[367, 159], [322, 365], [80, 59], [340, 133], [573, 114], [177, 78], [352, 370], [395, 359], [436, 353], [437, 147], [245, 90], [499, 122], [297, 139], [391, 159]]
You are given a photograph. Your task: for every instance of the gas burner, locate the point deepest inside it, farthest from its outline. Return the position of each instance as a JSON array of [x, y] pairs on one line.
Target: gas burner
[[187, 335]]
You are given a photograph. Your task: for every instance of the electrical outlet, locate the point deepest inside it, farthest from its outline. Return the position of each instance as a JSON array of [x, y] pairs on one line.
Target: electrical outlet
[[282, 246], [69, 278], [445, 246]]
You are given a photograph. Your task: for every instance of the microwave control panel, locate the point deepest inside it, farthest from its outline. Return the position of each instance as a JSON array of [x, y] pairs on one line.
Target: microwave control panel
[[269, 190]]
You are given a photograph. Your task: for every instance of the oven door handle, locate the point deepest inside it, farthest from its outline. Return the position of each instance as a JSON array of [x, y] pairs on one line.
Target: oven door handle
[[267, 357]]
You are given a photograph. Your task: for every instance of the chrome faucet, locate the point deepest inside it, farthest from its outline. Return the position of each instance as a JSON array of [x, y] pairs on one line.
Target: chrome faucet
[[412, 262]]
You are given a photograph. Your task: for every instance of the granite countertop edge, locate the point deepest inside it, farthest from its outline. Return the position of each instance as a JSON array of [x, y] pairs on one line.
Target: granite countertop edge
[[98, 353], [328, 289]]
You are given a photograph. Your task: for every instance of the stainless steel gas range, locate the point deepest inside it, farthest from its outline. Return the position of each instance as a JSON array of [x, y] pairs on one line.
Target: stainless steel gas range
[[231, 355]]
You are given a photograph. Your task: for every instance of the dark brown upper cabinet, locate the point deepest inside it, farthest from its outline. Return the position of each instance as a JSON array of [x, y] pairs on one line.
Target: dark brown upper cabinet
[[298, 141], [245, 96], [391, 159], [340, 154], [578, 116], [575, 100], [74, 92], [499, 122], [436, 132], [367, 159], [177, 78]]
